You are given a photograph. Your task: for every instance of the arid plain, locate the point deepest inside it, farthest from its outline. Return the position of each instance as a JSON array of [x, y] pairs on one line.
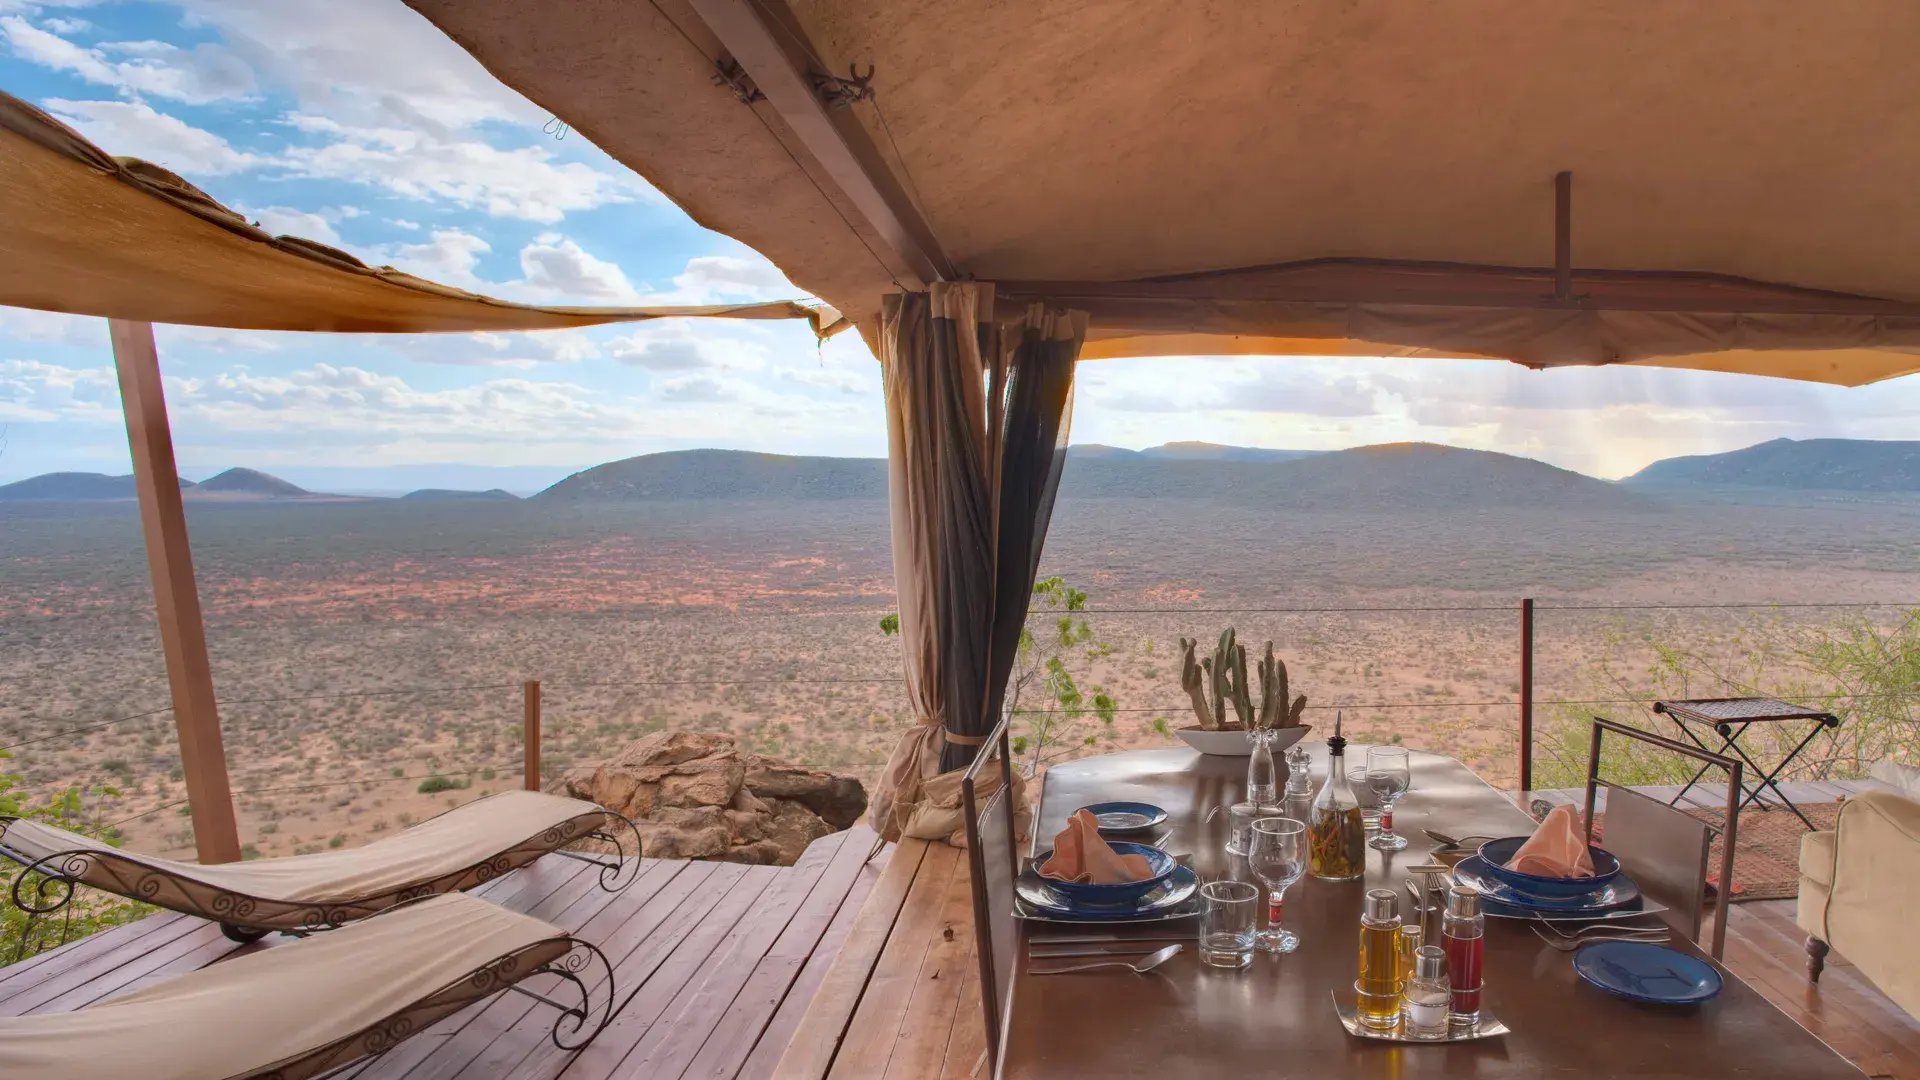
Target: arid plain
[[362, 648]]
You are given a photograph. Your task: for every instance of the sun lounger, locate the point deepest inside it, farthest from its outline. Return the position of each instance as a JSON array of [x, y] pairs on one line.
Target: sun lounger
[[307, 1007], [452, 852]]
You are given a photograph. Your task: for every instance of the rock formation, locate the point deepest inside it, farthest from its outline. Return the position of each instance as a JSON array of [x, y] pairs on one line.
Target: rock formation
[[697, 796]]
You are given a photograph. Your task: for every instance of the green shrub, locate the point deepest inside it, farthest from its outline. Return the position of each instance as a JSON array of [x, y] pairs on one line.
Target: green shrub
[[437, 783]]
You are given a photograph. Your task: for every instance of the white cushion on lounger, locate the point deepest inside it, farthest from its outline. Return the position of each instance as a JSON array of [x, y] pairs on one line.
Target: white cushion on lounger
[[244, 1014], [443, 845]]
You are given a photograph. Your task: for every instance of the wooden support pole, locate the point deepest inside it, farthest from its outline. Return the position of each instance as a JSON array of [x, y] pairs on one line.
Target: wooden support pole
[[1563, 236], [530, 733], [1526, 696], [176, 597]]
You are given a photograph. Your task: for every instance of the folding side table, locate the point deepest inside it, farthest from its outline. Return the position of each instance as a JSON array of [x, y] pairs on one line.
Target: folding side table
[[1730, 718]]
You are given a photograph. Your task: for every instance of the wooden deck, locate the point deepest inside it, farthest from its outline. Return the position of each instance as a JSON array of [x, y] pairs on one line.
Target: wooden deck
[[830, 968], [715, 964]]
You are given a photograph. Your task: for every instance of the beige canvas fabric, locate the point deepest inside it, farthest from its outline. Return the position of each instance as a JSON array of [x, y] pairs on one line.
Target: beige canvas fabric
[[242, 1015], [1080, 140], [91, 234], [460, 838]]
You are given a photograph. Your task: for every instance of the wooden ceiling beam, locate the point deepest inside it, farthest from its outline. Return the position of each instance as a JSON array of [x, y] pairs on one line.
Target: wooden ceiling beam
[[1435, 284], [769, 55]]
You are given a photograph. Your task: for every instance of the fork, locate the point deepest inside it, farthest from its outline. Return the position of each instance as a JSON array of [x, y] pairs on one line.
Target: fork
[[1653, 937], [1565, 935], [1138, 968]]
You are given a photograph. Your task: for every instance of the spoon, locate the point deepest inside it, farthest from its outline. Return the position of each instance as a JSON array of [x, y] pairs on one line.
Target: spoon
[[1140, 967]]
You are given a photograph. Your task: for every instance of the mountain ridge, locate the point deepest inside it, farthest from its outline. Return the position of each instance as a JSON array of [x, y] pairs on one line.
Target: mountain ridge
[[1877, 465]]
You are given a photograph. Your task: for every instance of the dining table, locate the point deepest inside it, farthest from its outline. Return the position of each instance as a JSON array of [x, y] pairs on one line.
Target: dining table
[[1277, 1017]]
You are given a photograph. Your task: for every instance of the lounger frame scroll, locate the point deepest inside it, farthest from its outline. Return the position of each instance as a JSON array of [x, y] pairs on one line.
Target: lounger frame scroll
[[46, 886]]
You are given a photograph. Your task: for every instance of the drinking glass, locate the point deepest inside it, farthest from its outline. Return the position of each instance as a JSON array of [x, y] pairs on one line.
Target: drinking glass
[[1389, 777], [1363, 794], [1278, 856], [1228, 911]]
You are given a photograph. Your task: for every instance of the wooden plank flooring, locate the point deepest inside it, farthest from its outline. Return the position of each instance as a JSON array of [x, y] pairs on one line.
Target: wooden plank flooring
[[710, 961]]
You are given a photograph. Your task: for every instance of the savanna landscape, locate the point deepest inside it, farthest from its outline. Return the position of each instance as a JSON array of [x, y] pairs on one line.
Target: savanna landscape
[[369, 652]]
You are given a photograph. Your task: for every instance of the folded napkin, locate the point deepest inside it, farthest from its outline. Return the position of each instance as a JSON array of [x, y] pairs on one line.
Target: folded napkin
[[1557, 849], [1082, 857]]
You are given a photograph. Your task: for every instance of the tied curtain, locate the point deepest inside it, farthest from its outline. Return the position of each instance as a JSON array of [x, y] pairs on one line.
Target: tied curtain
[[977, 421]]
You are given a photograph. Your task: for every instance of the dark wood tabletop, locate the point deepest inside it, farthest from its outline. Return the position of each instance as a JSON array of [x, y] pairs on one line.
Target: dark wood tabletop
[[1276, 1018]]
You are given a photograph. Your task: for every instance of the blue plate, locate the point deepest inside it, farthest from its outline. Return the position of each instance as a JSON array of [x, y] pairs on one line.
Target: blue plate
[[1653, 974], [1042, 896], [1121, 818], [1618, 893], [1118, 894], [1498, 853]]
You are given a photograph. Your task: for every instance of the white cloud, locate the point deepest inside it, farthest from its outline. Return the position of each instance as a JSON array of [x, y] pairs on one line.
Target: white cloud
[[698, 388], [134, 128], [66, 26], [559, 269], [203, 74], [430, 165], [32, 391], [286, 221], [332, 399], [735, 277], [403, 223], [449, 256]]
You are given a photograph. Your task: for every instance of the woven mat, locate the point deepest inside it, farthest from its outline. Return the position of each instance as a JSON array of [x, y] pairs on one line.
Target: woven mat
[[1766, 866]]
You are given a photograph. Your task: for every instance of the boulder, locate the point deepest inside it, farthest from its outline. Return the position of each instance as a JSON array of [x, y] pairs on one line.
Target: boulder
[[697, 796]]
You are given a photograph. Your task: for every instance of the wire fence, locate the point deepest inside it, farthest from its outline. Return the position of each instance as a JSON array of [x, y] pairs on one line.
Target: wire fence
[[575, 742]]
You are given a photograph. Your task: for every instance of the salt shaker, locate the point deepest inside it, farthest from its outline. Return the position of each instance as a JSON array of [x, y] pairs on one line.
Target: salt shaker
[[1425, 1002]]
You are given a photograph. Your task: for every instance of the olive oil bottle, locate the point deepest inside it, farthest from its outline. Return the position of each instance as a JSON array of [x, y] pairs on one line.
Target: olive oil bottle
[[1336, 837]]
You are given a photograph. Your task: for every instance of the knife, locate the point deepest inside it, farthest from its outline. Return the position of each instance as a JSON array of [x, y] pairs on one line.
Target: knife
[[1130, 950], [1102, 939]]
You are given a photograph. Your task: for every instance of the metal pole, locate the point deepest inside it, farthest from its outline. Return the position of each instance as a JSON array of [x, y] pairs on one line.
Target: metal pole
[[530, 733], [1526, 695], [176, 596]]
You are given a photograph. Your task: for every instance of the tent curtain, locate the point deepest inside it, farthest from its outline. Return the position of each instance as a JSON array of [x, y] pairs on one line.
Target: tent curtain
[[976, 432]]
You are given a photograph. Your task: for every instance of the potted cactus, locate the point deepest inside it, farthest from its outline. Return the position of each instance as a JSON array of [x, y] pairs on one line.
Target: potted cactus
[[1217, 683]]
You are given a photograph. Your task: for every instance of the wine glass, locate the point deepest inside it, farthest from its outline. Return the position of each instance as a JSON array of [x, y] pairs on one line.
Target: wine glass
[[1389, 777], [1277, 852]]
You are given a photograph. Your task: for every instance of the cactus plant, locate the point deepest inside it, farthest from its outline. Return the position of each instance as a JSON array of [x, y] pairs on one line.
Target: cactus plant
[[1275, 710], [1215, 683]]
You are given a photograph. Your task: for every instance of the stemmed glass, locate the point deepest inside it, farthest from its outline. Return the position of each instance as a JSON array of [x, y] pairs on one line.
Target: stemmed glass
[[1277, 853], [1389, 777]]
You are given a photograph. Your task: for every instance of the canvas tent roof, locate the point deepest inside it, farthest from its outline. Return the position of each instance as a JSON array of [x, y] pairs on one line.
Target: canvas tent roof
[[1319, 176], [90, 234]]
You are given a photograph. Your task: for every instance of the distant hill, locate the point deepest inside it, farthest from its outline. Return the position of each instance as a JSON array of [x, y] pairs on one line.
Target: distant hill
[[449, 495], [72, 486], [1400, 476], [1186, 451], [252, 482], [1798, 464], [1205, 451], [723, 474], [1396, 475]]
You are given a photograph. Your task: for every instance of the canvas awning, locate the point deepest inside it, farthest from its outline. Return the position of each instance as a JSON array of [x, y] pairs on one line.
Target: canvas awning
[[1313, 176], [89, 234]]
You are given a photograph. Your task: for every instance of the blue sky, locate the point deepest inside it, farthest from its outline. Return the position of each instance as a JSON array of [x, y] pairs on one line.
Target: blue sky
[[355, 123]]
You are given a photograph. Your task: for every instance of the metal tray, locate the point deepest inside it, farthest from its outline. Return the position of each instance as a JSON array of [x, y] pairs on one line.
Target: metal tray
[[1487, 1026]]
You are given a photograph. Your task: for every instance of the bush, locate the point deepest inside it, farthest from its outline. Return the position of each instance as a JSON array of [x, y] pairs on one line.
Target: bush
[[76, 809], [437, 783]]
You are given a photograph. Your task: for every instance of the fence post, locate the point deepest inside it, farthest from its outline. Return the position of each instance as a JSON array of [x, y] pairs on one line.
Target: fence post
[[1526, 695], [530, 734]]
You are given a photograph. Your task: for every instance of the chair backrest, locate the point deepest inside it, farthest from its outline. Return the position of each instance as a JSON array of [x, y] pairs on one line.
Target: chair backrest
[[993, 860], [1664, 850]]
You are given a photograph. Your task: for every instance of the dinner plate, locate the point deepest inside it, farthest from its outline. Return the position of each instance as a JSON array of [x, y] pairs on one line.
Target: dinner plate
[[1619, 892], [1123, 818], [1653, 974], [1042, 899]]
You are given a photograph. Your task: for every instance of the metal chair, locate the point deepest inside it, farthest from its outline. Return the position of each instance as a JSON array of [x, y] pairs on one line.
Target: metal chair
[[1665, 850], [993, 861]]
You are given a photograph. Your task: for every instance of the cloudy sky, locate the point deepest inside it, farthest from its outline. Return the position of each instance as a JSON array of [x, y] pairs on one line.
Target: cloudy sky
[[355, 123]]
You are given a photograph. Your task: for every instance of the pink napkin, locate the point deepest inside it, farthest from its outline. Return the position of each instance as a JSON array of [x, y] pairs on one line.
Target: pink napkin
[[1081, 856], [1557, 849]]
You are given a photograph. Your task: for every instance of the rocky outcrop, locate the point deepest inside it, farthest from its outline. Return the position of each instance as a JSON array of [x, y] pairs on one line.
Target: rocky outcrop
[[697, 796]]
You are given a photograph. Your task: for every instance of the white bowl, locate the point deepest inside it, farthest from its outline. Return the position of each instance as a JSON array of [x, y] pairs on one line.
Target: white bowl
[[1234, 742]]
